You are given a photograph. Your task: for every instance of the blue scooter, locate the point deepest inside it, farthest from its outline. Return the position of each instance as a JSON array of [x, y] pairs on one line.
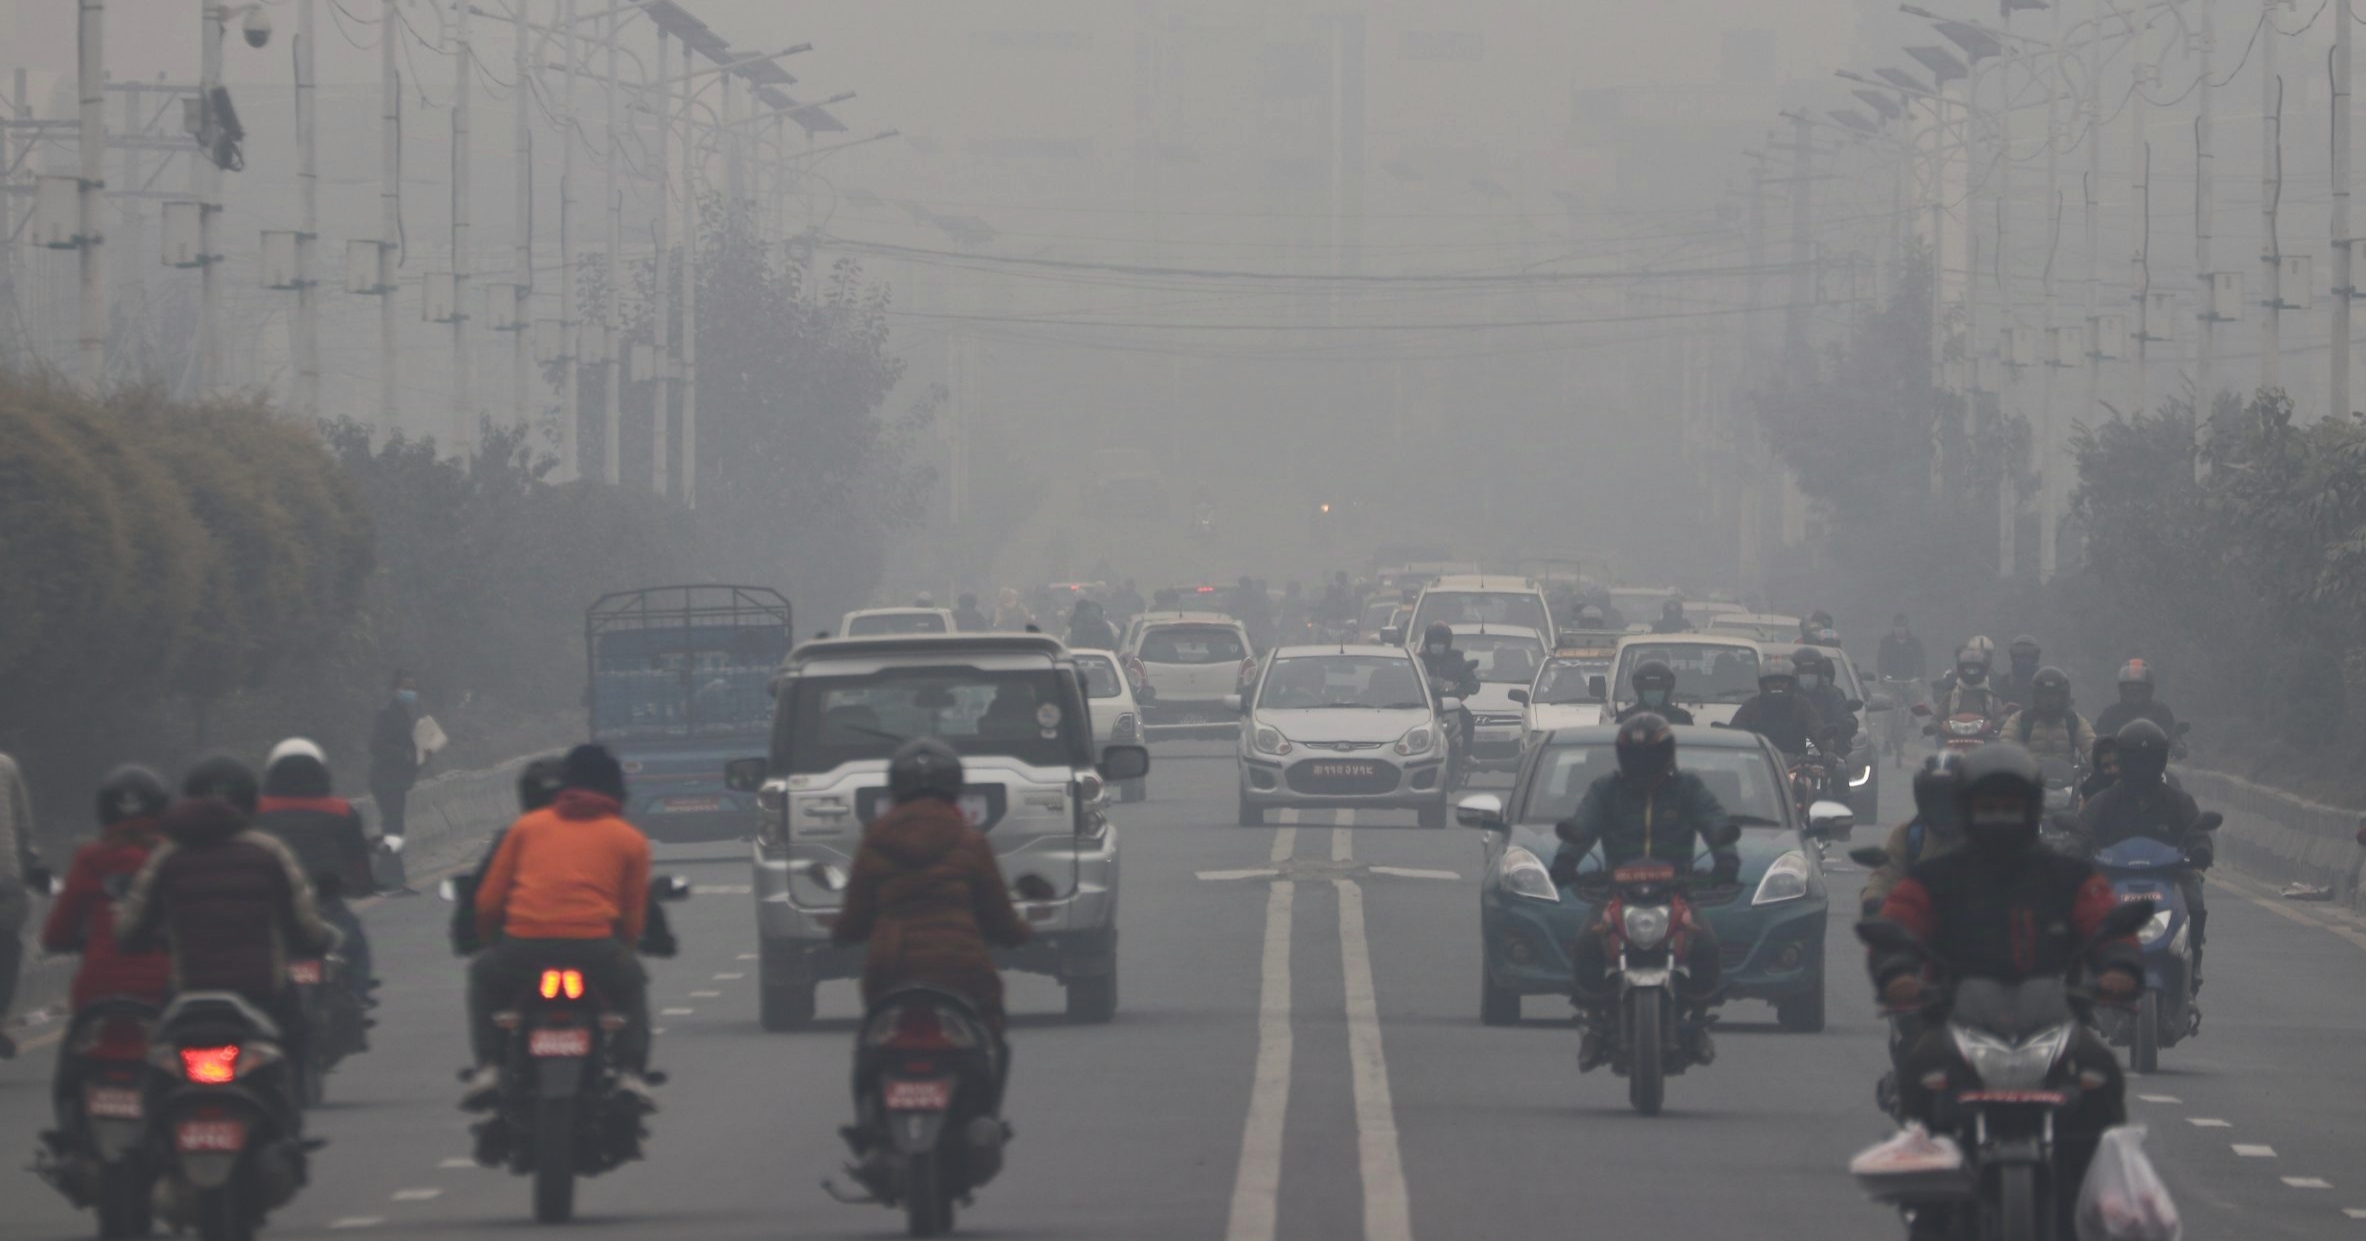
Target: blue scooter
[[2142, 868]]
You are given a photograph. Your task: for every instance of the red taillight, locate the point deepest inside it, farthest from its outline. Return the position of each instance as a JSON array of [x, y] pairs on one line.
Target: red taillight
[[210, 1065], [917, 1028], [568, 981]]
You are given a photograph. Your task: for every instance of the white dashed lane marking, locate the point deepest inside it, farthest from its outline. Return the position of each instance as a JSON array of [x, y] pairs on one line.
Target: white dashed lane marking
[[2208, 1122], [2308, 1182], [677, 1012], [2160, 1098], [457, 1162], [2249, 1151], [745, 956], [729, 977], [2354, 1212], [705, 995], [416, 1195], [358, 1221]]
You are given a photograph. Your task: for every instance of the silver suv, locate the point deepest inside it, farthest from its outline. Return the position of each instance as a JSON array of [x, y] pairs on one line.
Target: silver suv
[[1015, 707]]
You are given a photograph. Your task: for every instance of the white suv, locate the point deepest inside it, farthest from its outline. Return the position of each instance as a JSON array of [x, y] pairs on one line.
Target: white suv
[[1481, 599]]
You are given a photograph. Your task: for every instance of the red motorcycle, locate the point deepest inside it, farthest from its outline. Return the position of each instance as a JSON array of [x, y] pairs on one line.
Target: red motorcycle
[[1960, 732], [1648, 926]]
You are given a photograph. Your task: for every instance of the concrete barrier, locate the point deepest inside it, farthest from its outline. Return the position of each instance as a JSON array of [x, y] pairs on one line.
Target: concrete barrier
[[2280, 838]]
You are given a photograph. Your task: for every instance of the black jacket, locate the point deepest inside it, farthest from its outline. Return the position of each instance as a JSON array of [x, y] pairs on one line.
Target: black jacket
[[394, 756], [2161, 811], [2121, 714], [231, 903], [1454, 668], [1900, 658], [325, 834], [2008, 919], [1631, 821], [1790, 720], [1671, 713]]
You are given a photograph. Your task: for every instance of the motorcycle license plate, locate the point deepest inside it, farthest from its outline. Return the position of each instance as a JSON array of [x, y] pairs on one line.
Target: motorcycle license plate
[[199, 1136], [2011, 1096], [304, 973], [692, 805], [934, 1095], [112, 1103], [564, 1041]]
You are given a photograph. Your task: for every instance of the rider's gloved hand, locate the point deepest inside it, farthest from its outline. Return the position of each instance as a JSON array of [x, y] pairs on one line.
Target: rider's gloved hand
[[1725, 866], [1902, 992], [2202, 853], [1564, 868]]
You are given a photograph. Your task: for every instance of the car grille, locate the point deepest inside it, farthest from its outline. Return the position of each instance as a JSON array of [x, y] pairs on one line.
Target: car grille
[[1343, 747], [1347, 777]]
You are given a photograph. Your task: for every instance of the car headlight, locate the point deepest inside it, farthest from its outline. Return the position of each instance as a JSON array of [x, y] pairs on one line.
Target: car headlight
[[1269, 740], [2006, 1066], [2155, 929], [1787, 880], [1645, 925], [1418, 741], [1521, 874]]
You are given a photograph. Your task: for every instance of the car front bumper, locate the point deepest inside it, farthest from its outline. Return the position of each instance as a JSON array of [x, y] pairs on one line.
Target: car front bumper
[[1266, 782]]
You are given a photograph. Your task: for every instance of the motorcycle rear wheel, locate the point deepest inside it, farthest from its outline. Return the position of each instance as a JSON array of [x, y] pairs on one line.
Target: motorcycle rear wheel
[[124, 1200], [928, 1209], [2144, 1040], [1647, 1085], [554, 1161], [221, 1215], [2017, 1206]]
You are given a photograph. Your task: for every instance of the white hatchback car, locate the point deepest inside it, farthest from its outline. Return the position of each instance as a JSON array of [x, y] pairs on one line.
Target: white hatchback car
[[1342, 726], [1117, 718], [1191, 661]]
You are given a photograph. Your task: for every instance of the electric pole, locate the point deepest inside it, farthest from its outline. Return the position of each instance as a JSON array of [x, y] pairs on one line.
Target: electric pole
[[2139, 210], [2337, 392], [2205, 204], [209, 200], [692, 157], [570, 384], [1802, 238], [390, 223], [2271, 186], [612, 441], [463, 404], [661, 403], [90, 191], [521, 362], [305, 329]]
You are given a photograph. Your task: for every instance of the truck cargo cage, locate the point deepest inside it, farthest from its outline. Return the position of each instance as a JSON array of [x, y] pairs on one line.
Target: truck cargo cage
[[684, 661]]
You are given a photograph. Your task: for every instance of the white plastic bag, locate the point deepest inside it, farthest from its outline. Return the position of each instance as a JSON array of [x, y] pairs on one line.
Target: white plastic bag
[[1910, 1151], [2124, 1199], [428, 737]]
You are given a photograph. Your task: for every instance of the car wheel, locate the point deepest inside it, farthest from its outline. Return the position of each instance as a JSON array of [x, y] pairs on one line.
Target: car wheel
[[1432, 817], [1252, 814], [1092, 1000], [1803, 1014], [1497, 1006]]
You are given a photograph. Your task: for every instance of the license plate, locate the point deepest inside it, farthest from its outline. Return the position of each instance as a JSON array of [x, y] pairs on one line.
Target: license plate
[[304, 973], [112, 1103], [692, 805], [922, 1096], [196, 1136], [559, 1042], [2010, 1096], [1345, 771]]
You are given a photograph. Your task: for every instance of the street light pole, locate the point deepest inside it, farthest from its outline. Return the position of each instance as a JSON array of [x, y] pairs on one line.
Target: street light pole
[[521, 362], [570, 384], [91, 189], [306, 326], [209, 205], [2205, 204], [2271, 183], [661, 404], [389, 208], [463, 412], [612, 424], [2337, 391]]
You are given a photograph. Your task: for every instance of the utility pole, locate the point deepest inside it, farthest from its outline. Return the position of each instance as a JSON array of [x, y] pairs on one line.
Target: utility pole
[[570, 385], [612, 433], [661, 403], [390, 209], [2140, 209], [521, 362], [2271, 188], [1802, 238], [2205, 202], [692, 157], [2008, 499], [90, 192], [209, 205], [2049, 454], [2337, 389], [2092, 221], [463, 365], [305, 329]]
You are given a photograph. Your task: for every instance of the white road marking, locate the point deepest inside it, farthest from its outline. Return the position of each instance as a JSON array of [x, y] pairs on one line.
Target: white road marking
[[745, 956], [1255, 872], [2354, 1212], [2160, 1098], [358, 1221], [676, 1012], [729, 977], [706, 995], [2251, 1151], [2209, 1122], [1285, 845], [2308, 1182], [459, 1162], [416, 1195], [1388, 1211], [1342, 844], [1256, 1186], [721, 889], [1415, 872]]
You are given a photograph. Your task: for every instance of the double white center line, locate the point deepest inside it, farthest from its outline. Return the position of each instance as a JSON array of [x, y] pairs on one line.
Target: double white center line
[[1257, 1186]]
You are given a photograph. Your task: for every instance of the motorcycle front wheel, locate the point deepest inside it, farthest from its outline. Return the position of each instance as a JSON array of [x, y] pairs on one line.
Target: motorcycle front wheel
[[1646, 1051], [2144, 1041], [2017, 1207], [124, 1198], [928, 1209], [554, 1161]]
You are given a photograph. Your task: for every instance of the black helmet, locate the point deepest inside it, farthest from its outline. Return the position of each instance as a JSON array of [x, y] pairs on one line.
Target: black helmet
[[1807, 661], [1672, 608], [924, 767], [2144, 752], [1439, 636], [1654, 675], [1935, 788], [1591, 617], [593, 769], [1777, 669], [539, 784], [2136, 681], [2049, 691], [2001, 794], [1971, 666], [223, 779], [1820, 618], [1646, 747], [129, 792], [2024, 645]]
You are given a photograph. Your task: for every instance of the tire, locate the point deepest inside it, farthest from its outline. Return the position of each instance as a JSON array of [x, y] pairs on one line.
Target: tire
[[124, 1200], [221, 1214], [1252, 814], [1497, 1005], [1647, 1085], [1092, 1000], [312, 1080], [2017, 1209], [928, 1211], [1803, 1014], [554, 1161], [2144, 1038], [1431, 817]]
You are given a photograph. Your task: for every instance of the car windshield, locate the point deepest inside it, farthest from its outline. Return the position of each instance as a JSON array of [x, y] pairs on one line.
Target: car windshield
[[1742, 779], [1377, 615], [1305, 682], [1100, 676], [1482, 607], [1705, 672], [827, 720], [1193, 644], [1506, 657], [1565, 682], [894, 622]]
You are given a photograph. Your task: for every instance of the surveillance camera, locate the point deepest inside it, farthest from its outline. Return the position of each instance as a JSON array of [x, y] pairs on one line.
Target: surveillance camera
[[256, 27]]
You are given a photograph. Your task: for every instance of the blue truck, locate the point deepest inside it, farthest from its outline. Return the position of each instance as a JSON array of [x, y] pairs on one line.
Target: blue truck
[[680, 683]]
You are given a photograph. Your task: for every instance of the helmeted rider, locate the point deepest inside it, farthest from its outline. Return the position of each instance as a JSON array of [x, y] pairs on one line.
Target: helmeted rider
[[1648, 808], [1935, 829], [1655, 693], [2137, 701], [2004, 908], [2146, 802], [1901, 657], [1457, 671], [1813, 626], [1671, 618], [2021, 669], [1592, 617], [1088, 629], [131, 804], [325, 833], [1971, 694], [1952, 677], [2047, 726], [1819, 683], [1778, 711]]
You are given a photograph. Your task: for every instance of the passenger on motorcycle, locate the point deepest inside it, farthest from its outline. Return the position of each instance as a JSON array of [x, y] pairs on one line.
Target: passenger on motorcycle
[[567, 888], [325, 834], [1089, 629], [1648, 808], [2146, 802], [2047, 727], [1936, 829], [2137, 702], [1819, 683], [1901, 657], [1671, 618], [1813, 626], [2004, 908], [2020, 672], [1655, 694], [1778, 711], [131, 802], [1971, 694]]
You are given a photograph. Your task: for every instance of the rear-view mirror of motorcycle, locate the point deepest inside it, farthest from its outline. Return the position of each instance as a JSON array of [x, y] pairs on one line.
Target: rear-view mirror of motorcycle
[[1830, 819], [671, 888], [1519, 696], [2210, 821], [1033, 887], [1921, 708], [2125, 919], [744, 775], [1483, 811], [1871, 857], [1124, 762], [2183, 727], [827, 877], [1881, 702], [1598, 686]]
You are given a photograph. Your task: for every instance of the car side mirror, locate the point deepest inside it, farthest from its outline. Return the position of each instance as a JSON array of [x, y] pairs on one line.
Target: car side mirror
[[1392, 636], [1483, 811], [825, 876], [1238, 704], [1599, 687], [744, 775], [2210, 821], [1856, 704], [1124, 762], [1829, 819], [671, 888], [1881, 702], [1519, 696]]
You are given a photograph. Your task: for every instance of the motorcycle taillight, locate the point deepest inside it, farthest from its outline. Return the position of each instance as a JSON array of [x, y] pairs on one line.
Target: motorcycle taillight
[[212, 1066], [558, 982], [918, 1027]]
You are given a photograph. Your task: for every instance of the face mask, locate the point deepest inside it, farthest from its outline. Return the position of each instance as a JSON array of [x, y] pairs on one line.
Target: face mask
[[1655, 698], [1971, 676], [407, 697], [1810, 681]]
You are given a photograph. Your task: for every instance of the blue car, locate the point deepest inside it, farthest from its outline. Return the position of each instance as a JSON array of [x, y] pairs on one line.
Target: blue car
[[1770, 932]]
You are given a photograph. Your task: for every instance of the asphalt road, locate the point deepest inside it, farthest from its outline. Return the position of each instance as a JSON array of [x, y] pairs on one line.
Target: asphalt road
[[1298, 1057]]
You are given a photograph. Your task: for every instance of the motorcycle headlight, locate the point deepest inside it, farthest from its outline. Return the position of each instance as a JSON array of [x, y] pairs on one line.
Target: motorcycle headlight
[[1418, 741], [2155, 929], [1521, 874], [1787, 880], [2006, 1066], [1269, 740], [1645, 925], [1861, 779]]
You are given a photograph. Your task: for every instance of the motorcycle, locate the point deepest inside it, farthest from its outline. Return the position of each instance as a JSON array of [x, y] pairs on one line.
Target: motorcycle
[[2012, 1083], [101, 1158], [1460, 731], [333, 1020], [2058, 828], [222, 1116], [559, 1113], [1816, 776], [1961, 732], [2141, 868], [1648, 925]]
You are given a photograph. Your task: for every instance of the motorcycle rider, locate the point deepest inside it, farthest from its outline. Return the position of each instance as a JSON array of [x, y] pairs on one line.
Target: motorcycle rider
[[1441, 662], [1819, 683], [2046, 726], [325, 834], [1949, 679], [2137, 702], [2146, 802], [2002, 907], [2021, 668], [231, 904], [1671, 618], [1655, 693], [1935, 829], [1648, 808], [567, 887], [1971, 694], [1590, 617], [1778, 711], [966, 616], [131, 803], [1088, 630], [1901, 657]]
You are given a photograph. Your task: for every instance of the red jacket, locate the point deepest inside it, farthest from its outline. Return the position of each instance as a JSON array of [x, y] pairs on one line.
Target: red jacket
[[83, 919]]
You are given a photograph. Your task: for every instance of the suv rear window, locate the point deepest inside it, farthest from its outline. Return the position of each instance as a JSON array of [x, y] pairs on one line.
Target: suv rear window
[[1028, 714], [1192, 644]]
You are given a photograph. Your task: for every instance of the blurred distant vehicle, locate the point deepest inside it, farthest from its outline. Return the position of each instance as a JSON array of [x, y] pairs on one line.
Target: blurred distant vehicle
[[1704, 613], [1479, 598], [1568, 693], [883, 622], [1117, 717], [1714, 673], [1191, 661], [1378, 614], [1508, 657], [1756, 626]]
